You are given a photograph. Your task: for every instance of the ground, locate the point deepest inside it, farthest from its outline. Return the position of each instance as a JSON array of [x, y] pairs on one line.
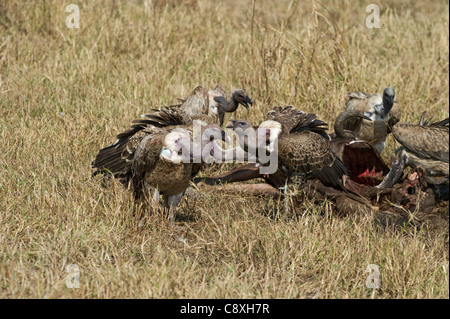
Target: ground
[[65, 93]]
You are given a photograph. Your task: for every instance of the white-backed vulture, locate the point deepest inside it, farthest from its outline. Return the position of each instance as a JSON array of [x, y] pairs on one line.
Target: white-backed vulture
[[381, 112]]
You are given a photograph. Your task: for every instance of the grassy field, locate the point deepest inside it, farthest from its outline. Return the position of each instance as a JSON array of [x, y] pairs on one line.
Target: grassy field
[[65, 93]]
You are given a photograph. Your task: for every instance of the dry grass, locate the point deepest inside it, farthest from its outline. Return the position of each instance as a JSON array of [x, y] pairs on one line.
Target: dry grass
[[66, 93]]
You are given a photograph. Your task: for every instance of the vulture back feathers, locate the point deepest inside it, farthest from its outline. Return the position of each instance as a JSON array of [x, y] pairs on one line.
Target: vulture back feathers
[[423, 145]]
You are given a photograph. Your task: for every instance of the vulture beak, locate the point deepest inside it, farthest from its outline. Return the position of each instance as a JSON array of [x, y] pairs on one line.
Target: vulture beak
[[166, 154], [230, 124], [246, 102]]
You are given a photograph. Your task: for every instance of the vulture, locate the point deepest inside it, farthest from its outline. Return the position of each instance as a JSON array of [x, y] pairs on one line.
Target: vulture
[[212, 105], [381, 113], [424, 145], [159, 155], [360, 158], [303, 147]]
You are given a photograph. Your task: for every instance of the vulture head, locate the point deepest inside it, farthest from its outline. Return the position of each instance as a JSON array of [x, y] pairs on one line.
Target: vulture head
[[244, 130], [219, 105], [242, 124], [381, 111], [207, 145], [267, 133], [177, 147], [213, 132], [272, 129], [241, 97]]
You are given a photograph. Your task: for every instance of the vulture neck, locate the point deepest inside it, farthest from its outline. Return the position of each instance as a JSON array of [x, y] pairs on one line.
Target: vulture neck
[[231, 105]]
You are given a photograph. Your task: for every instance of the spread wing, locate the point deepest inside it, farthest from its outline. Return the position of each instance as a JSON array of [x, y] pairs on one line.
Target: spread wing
[[293, 120], [118, 158], [428, 142], [219, 89], [427, 122], [197, 103], [362, 102], [164, 117]]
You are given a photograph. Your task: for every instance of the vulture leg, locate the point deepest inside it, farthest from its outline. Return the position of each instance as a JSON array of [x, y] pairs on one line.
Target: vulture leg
[[396, 170], [156, 197], [286, 200], [172, 202]]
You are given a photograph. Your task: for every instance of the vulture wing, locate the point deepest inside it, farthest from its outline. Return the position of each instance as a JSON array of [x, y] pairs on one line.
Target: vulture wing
[[219, 89], [428, 142], [293, 120], [118, 158], [196, 103], [166, 116], [310, 154], [362, 102], [145, 151]]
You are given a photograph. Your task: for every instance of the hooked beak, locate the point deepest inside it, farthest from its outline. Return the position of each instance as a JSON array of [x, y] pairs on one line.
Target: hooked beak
[[230, 124], [166, 154], [246, 102]]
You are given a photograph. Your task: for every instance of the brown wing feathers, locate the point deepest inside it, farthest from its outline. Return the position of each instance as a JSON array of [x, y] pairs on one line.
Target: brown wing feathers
[[294, 120], [428, 142], [309, 154], [304, 146], [115, 158], [166, 116], [331, 172], [110, 159]]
